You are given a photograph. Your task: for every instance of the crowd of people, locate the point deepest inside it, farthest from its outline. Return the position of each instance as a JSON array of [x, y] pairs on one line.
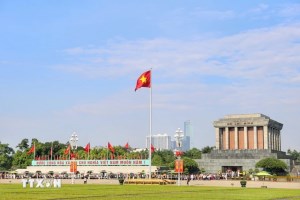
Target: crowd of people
[[229, 174]]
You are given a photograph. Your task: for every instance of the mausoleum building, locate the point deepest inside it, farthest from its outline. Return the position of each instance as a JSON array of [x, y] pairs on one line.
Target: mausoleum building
[[247, 131], [241, 141]]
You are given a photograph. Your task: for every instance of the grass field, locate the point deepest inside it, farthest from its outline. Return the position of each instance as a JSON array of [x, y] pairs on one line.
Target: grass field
[[147, 192]]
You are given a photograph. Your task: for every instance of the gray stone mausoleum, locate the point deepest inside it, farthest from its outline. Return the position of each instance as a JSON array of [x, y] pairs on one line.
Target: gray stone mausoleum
[[241, 141]]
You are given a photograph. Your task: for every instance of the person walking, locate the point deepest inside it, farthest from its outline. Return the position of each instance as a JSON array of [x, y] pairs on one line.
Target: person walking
[[188, 180]]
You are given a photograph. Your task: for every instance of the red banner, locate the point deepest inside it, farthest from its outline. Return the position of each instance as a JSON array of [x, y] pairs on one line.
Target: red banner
[[73, 166], [179, 166]]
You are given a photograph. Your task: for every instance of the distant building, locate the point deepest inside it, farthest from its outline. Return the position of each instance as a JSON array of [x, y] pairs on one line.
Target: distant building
[[186, 143], [188, 128], [241, 141], [173, 146], [188, 133], [160, 142], [247, 131]]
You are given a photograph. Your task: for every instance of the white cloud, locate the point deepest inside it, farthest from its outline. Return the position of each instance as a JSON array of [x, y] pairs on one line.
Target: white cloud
[[213, 14], [290, 10], [250, 55], [274, 12]]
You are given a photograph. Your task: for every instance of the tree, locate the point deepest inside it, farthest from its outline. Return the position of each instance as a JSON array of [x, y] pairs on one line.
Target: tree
[[58, 148], [190, 165], [272, 165], [207, 149], [120, 150], [157, 160], [21, 160], [193, 153], [295, 154], [23, 144], [46, 149], [6, 154], [167, 156]]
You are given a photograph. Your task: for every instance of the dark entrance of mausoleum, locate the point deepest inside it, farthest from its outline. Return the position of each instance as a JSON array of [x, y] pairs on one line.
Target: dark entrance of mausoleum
[[230, 169]]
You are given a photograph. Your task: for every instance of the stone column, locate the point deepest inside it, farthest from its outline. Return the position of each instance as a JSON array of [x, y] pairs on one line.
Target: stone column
[[236, 138], [265, 137], [221, 139], [272, 138], [255, 137], [226, 138], [269, 138], [245, 138], [217, 131], [279, 139], [275, 139]]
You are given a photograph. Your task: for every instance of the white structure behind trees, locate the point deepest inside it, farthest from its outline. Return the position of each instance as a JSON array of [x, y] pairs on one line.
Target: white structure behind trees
[[160, 142]]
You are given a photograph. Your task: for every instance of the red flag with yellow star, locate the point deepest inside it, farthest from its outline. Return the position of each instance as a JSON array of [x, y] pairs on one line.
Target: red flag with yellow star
[[144, 80], [152, 148], [126, 146], [31, 150], [67, 151], [111, 148]]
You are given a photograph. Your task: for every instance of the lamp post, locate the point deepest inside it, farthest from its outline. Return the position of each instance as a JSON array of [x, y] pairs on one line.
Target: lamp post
[[73, 144], [178, 137], [73, 141]]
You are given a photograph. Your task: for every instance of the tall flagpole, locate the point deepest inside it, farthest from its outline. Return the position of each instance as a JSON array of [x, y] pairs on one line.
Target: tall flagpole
[[107, 154], [150, 141], [34, 151], [51, 150], [89, 151]]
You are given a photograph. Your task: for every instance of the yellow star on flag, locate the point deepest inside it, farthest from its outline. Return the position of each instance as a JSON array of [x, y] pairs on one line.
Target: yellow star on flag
[[143, 79]]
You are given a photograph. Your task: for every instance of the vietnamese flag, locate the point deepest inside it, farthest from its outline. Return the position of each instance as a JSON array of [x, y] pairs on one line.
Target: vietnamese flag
[[112, 156], [73, 155], [152, 148], [87, 148], [67, 151], [126, 146], [144, 80], [31, 150], [111, 148]]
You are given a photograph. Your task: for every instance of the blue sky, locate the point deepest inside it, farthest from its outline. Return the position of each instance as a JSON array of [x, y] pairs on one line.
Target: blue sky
[[72, 66]]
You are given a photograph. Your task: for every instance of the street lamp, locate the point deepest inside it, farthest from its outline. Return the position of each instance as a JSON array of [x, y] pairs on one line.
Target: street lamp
[[73, 141], [178, 137], [73, 164]]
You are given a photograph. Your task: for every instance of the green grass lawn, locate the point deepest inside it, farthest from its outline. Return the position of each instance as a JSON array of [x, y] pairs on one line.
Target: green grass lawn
[[154, 192]]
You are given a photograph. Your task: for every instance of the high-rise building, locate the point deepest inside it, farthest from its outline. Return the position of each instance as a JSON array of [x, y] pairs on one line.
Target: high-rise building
[[188, 128], [186, 141], [188, 135], [160, 141]]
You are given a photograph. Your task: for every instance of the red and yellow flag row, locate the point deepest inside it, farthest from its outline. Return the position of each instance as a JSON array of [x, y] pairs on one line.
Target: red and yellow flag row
[[110, 156], [87, 149]]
